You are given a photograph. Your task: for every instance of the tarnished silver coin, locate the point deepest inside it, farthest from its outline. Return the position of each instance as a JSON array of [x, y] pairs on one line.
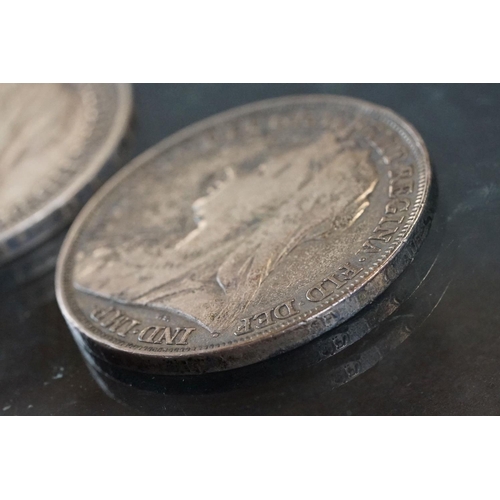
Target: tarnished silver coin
[[58, 143], [245, 235]]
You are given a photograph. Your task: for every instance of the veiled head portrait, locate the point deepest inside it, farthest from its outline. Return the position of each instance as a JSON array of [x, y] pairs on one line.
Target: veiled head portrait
[[208, 237]]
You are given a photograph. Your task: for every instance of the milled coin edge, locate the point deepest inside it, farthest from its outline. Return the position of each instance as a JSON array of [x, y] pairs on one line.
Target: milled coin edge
[[287, 336]]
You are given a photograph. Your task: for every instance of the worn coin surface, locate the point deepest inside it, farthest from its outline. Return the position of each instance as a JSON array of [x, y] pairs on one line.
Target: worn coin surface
[[58, 143], [245, 235]]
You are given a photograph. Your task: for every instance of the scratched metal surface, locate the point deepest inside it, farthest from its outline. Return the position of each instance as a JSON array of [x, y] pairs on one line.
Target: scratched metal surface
[[433, 346]]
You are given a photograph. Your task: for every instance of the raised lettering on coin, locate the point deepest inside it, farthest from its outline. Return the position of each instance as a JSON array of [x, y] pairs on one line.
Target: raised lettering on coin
[[245, 235]]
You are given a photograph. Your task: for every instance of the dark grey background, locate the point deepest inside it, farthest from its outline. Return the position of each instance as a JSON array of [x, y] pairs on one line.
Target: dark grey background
[[438, 353]]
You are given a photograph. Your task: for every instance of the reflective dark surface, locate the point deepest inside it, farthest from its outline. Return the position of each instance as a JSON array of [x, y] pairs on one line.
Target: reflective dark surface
[[434, 340]]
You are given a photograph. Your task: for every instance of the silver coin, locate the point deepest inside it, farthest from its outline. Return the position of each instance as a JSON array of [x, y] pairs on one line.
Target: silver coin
[[58, 143], [245, 235]]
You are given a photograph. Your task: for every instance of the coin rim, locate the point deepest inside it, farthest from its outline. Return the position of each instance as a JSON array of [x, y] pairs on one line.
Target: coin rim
[[376, 276], [45, 221]]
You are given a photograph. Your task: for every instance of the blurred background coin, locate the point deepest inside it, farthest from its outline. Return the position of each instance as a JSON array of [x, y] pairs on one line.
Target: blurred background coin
[[245, 235], [58, 143]]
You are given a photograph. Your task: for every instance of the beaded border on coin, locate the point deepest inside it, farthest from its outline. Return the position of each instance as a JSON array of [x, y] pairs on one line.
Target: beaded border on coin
[[301, 328]]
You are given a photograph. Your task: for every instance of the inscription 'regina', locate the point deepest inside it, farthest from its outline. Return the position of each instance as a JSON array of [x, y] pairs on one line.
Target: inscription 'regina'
[[117, 322], [400, 184], [333, 282], [266, 318]]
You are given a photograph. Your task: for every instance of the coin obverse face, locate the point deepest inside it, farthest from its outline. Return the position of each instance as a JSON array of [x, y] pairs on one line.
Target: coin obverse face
[[56, 143], [245, 235]]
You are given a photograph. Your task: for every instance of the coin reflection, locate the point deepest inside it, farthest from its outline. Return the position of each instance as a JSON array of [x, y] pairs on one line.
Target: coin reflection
[[32, 265], [327, 363]]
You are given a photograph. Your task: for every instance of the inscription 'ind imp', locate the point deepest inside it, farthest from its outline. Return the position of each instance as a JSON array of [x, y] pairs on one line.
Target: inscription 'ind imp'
[[117, 322]]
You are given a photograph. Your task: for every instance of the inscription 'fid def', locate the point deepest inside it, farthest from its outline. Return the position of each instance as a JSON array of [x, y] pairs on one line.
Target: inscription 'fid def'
[[282, 220]]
